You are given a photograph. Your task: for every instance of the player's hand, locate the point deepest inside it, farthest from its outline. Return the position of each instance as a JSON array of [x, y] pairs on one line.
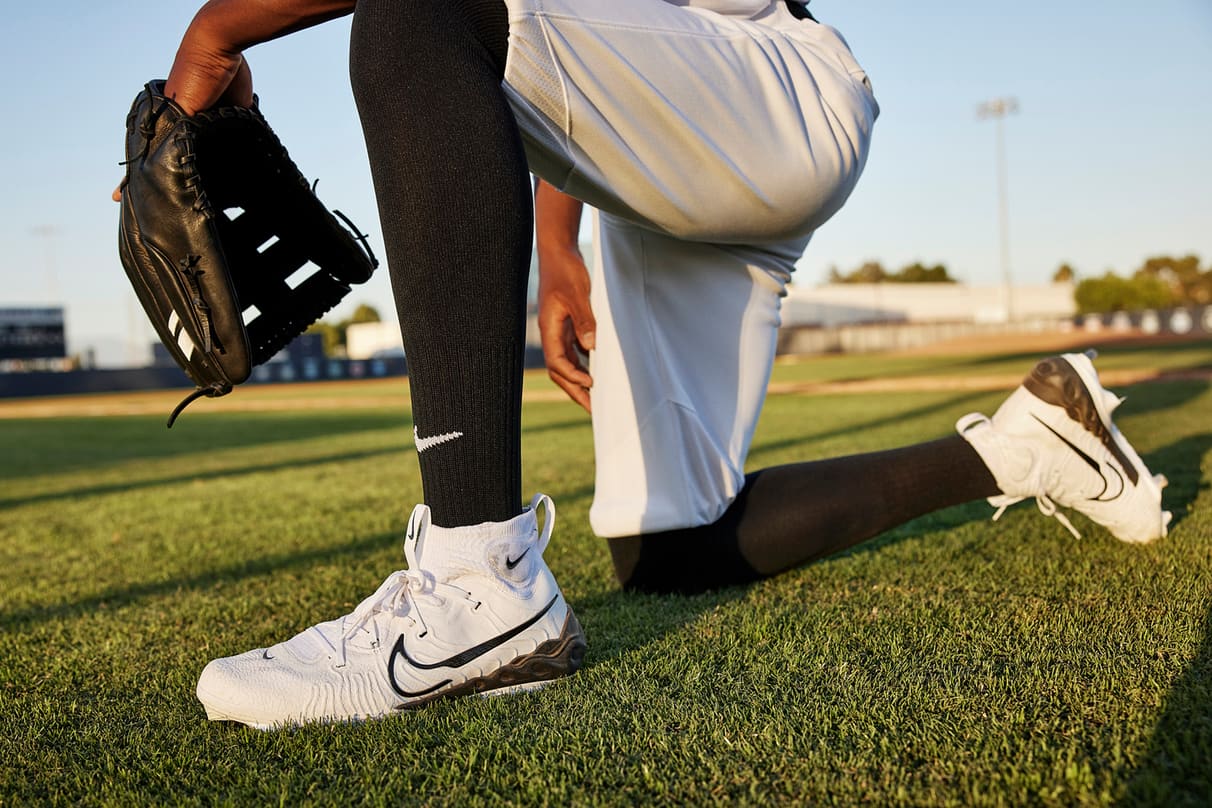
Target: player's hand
[[205, 73], [204, 76], [566, 321], [199, 82]]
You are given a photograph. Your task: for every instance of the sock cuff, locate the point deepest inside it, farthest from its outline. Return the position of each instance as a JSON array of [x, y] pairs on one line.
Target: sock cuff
[[467, 546]]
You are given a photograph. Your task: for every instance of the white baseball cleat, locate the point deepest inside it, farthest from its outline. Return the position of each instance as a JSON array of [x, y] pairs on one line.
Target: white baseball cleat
[[1053, 440], [477, 611]]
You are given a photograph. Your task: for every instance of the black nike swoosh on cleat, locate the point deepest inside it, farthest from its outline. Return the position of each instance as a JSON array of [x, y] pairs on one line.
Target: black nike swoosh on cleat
[[1092, 463], [458, 660], [510, 563]]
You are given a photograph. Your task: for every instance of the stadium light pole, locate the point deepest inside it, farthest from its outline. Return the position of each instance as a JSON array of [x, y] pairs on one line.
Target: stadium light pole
[[998, 109], [49, 234]]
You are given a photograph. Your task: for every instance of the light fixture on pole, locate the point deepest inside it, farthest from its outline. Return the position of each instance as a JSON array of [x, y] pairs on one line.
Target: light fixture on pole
[[998, 109]]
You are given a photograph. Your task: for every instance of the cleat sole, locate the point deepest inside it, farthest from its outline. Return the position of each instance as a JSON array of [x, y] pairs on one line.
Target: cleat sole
[[552, 660]]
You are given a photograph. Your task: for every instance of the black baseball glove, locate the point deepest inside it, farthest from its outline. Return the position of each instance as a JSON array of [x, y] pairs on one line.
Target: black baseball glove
[[227, 245]]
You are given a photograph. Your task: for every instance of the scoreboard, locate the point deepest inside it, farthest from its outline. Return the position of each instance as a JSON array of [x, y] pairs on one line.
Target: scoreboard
[[32, 333]]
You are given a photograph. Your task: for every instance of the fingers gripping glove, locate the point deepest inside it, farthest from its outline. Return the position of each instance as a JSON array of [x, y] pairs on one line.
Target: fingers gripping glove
[[230, 251]]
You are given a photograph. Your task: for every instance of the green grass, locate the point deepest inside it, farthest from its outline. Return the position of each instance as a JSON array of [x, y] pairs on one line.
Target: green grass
[[951, 661]]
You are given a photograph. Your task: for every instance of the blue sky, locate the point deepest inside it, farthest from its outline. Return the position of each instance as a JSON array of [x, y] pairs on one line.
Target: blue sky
[[1109, 157]]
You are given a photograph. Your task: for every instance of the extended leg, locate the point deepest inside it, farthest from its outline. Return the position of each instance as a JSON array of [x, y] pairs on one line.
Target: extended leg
[[788, 515], [1052, 440]]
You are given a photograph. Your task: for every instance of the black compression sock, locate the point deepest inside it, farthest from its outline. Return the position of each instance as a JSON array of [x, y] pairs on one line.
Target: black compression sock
[[454, 203], [788, 515]]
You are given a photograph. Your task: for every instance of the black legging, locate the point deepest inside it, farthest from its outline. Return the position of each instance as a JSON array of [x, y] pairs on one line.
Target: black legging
[[455, 207]]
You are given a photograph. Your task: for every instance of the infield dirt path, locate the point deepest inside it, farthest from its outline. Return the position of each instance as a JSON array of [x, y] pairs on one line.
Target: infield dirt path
[[390, 393]]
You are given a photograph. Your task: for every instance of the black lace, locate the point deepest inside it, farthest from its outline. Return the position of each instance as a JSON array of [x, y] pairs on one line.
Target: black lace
[[212, 391], [353, 228]]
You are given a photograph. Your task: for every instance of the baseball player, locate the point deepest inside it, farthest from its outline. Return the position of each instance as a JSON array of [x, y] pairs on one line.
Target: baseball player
[[712, 138]]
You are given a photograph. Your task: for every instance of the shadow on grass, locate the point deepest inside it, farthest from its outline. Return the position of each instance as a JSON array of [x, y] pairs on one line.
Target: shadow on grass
[[320, 460], [1177, 769], [122, 596], [892, 418], [136, 485], [59, 445], [637, 620], [1155, 396]]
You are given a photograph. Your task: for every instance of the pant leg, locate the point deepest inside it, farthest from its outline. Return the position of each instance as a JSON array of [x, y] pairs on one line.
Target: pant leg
[[686, 336]]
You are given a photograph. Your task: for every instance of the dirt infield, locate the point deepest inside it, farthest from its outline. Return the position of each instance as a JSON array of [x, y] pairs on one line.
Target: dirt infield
[[1110, 378], [391, 393], [359, 394]]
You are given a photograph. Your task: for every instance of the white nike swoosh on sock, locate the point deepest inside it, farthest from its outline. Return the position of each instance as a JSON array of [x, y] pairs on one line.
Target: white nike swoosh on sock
[[428, 443]]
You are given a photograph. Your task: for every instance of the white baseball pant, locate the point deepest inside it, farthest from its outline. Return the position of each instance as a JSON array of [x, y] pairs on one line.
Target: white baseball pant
[[713, 145]]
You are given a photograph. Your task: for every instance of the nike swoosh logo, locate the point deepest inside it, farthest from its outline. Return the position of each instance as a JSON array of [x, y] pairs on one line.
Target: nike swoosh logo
[[1092, 463], [458, 660], [423, 444], [510, 563]]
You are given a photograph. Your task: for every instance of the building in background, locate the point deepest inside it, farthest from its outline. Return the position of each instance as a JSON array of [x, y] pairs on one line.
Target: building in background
[[839, 304], [861, 317], [369, 340]]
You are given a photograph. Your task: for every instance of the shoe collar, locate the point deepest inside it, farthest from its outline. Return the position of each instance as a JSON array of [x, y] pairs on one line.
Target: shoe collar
[[435, 548]]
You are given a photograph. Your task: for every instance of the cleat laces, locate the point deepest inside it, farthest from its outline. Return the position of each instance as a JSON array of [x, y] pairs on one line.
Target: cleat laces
[[1046, 506], [398, 596]]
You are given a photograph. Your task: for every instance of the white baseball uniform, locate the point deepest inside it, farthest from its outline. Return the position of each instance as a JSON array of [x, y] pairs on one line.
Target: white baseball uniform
[[714, 137]]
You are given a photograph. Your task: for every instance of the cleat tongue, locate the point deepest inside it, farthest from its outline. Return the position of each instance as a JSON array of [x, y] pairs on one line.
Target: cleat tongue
[[1160, 480], [1091, 354], [1167, 518]]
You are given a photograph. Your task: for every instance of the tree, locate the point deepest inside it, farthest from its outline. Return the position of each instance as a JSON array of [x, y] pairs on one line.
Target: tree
[[1064, 274], [869, 272], [365, 314], [1113, 293], [917, 272], [1182, 276], [874, 272]]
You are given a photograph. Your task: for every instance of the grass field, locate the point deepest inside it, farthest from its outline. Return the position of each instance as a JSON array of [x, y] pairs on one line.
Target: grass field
[[951, 661]]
